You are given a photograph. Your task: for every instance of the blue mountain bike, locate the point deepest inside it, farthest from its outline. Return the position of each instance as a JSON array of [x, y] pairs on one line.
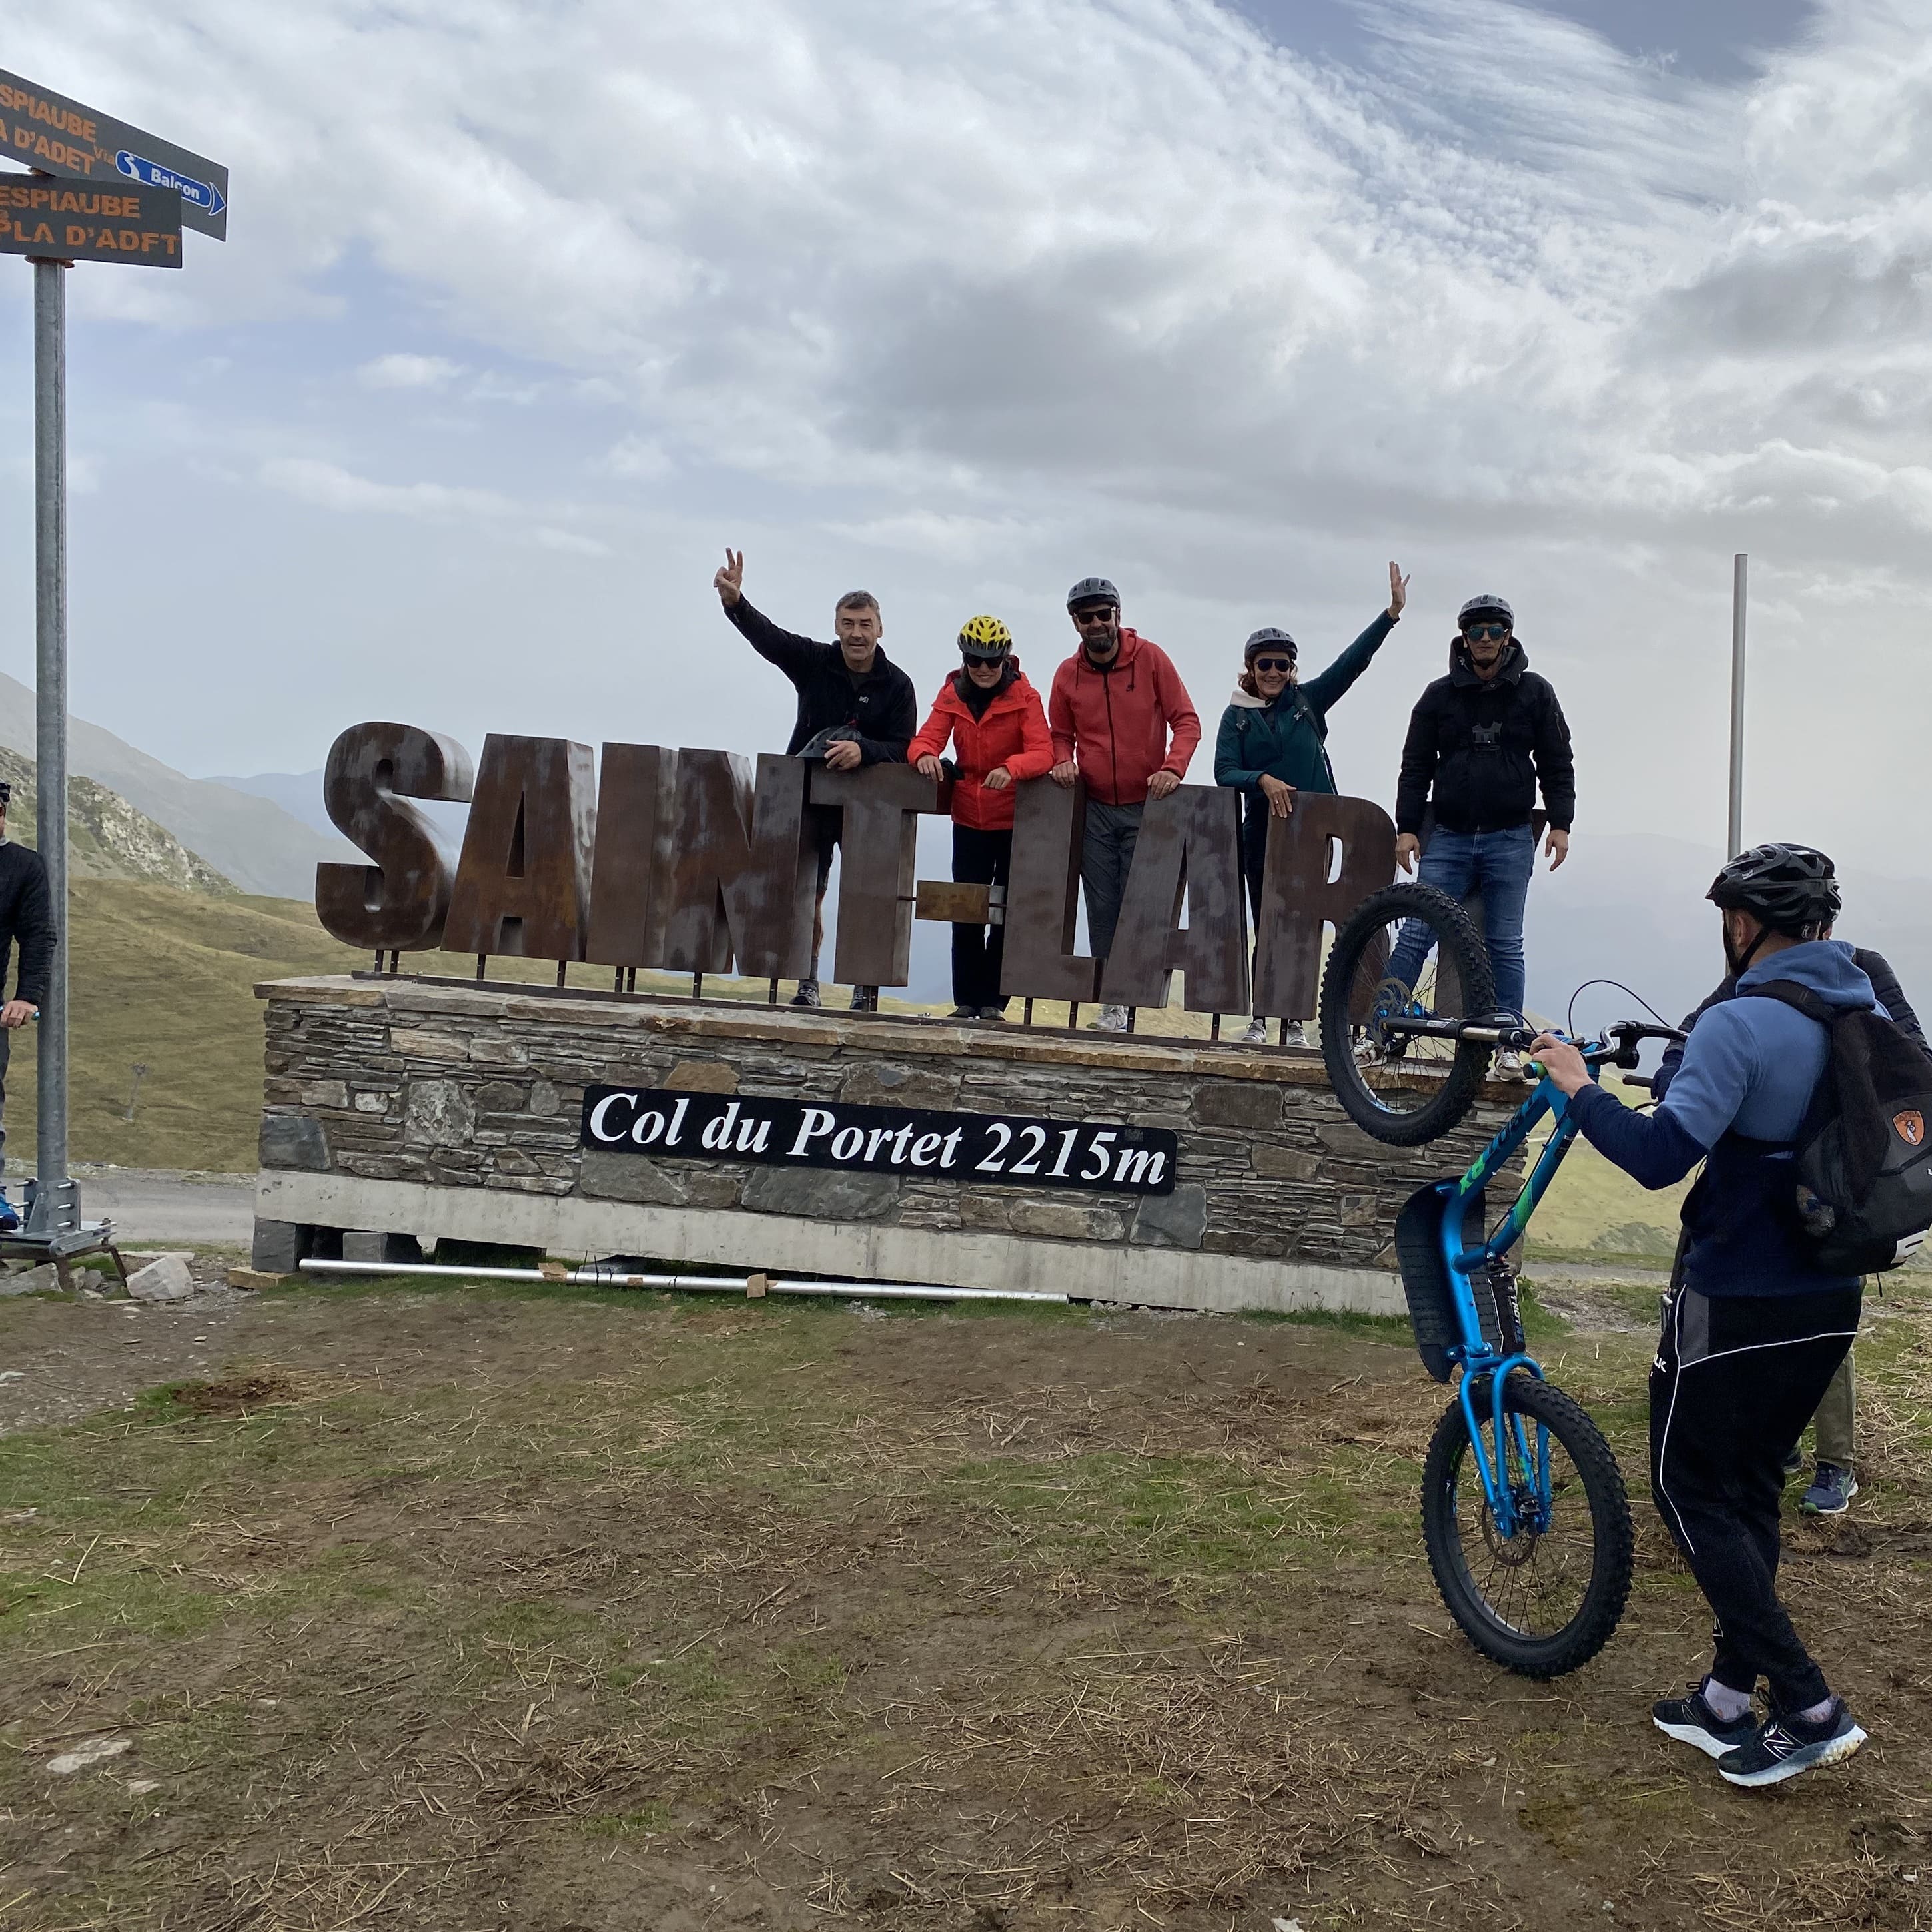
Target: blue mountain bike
[[1524, 1512]]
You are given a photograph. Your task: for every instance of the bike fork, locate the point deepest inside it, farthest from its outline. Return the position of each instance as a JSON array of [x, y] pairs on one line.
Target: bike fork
[[1497, 1494]]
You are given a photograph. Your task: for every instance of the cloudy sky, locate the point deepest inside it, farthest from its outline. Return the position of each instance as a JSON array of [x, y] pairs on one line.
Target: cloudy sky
[[527, 309]]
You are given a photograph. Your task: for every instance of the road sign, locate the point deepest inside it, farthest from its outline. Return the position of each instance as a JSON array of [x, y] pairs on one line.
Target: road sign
[[74, 221], [60, 136]]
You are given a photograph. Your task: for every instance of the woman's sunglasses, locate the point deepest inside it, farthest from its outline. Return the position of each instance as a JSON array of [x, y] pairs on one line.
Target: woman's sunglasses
[[1274, 663]]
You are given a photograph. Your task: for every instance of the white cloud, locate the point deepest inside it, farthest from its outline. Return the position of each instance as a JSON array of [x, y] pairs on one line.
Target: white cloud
[[404, 371], [329, 487]]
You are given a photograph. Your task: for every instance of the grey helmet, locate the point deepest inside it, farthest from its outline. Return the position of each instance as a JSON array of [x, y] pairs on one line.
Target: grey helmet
[[1259, 641], [1093, 590], [1477, 606]]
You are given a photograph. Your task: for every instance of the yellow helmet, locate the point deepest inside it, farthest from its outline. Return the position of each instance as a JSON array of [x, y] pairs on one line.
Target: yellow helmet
[[986, 640]]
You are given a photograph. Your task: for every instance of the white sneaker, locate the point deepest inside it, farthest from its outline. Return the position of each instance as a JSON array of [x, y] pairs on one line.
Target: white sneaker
[[1509, 1066], [1256, 1034], [1112, 1019], [1296, 1034]]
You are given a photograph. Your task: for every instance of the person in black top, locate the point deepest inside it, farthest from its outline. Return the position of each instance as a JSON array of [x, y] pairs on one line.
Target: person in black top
[[1480, 742], [855, 707], [1833, 1483], [26, 916]]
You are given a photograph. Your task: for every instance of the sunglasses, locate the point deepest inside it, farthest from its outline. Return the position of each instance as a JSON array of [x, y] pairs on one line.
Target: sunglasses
[[1482, 634], [1274, 663]]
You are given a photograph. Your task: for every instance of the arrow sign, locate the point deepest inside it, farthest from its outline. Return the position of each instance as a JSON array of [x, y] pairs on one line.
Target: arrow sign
[[203, 195], [48, 132]]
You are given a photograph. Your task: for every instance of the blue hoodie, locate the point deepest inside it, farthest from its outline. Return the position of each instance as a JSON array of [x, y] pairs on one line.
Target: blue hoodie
[[1738, 1102]]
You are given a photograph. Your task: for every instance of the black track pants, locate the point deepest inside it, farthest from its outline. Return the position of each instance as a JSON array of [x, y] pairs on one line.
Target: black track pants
[[981, 859], [1736, 1380]]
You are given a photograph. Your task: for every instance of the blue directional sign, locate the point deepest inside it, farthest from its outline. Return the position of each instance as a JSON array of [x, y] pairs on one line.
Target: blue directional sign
[[55, 136], [200, 194]]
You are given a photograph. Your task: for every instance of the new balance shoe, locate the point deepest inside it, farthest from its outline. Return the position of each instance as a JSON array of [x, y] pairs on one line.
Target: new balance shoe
[[1786, 1745], [1832, 1489], [1691, 1720]]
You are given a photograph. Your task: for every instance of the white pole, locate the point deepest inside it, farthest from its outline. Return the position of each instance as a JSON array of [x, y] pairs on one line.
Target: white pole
[[1734, 840], [52, 1213]]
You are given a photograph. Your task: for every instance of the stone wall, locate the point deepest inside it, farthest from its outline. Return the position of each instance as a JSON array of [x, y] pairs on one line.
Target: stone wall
[[451, 1109]]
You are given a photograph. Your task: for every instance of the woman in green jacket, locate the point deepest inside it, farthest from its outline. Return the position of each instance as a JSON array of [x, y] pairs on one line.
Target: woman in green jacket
[[1273, 740]]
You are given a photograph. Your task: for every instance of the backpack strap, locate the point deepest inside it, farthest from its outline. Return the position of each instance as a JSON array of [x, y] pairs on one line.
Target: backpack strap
[[1788, 992]]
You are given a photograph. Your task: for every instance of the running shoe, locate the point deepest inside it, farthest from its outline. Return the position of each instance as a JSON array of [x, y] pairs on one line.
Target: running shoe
[[1112, 1019], [1787, 1745], [1831, 1491], [1691, 1721], [1257, 1033], [865, 999], [1294, 1034], [807, 995]]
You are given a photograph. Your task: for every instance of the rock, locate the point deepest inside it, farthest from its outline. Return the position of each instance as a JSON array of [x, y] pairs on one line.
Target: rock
[[1068, 1221], [438, 1114], [608, 1176], [1237, 1103], [89, 1751], [44, 1279], [1176, 1220], [885, 1083], [702, 1076], [1285, 1163], [165, 1280], [822, 1192], [277, 1249], [294, 1140]]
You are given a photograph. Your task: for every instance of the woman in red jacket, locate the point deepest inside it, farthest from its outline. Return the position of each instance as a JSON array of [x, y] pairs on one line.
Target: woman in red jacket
[[997, 727]]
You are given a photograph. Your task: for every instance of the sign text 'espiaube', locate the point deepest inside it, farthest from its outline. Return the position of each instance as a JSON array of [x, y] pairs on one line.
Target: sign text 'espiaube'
[[700, 861]]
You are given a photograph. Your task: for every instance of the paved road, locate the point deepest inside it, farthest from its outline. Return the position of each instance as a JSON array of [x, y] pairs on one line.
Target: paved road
[[151, 1207]]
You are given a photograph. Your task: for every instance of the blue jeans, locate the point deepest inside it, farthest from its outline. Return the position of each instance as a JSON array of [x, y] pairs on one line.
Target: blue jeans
[[1498, 864]]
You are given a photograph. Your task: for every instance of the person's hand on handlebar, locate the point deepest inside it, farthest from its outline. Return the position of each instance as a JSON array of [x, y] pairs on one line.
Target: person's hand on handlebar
[[1561, 1062]]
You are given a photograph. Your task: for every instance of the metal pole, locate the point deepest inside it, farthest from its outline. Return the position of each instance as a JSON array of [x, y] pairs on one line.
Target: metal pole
[[1734, 838], [51, 1208]]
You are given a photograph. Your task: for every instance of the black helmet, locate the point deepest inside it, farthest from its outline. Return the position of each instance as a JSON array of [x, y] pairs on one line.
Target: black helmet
[[1093, 590], [1486, 606], [1790, 889], [1259, 641]]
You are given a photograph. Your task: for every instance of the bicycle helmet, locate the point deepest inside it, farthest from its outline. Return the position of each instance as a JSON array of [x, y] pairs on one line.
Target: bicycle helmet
[[1486, 606], [1790, 889], [985, 640], [1093, 590], [1259, 641]]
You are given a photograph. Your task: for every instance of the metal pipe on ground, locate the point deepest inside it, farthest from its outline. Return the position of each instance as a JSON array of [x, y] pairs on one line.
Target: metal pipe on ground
[[599, 1277]]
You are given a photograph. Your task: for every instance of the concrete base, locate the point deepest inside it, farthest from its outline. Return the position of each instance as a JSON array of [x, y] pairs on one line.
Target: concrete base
[[777, 1243]]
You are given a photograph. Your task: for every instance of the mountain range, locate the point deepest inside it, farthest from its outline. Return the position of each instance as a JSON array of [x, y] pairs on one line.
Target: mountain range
[[250, 840]]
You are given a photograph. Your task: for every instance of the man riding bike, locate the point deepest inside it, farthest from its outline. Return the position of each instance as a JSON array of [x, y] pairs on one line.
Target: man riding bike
[[1753, 1328]]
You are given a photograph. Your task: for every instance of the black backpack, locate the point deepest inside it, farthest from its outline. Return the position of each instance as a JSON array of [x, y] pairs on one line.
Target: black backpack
[[1864, 1150]]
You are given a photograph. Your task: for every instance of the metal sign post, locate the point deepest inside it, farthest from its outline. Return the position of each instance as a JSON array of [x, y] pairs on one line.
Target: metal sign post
[[1734, 836], [102, 191]]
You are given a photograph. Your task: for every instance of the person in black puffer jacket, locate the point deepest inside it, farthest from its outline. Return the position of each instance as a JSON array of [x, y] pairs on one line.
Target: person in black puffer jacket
[[1481, 741], [27, 917]]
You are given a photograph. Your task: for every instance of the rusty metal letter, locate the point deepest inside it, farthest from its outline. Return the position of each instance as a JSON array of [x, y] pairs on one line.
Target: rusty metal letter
[[1043, 895], [399, 902], [523, 884], [877, 857], [1190, 843], [637, 806], [742, 873], [1303, 887]]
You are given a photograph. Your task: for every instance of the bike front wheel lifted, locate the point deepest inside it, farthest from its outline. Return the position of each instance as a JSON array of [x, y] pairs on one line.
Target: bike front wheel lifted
[[1543, 1599]]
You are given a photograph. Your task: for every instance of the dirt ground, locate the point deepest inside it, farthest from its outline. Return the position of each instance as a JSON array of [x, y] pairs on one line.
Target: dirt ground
[[562, 1612]]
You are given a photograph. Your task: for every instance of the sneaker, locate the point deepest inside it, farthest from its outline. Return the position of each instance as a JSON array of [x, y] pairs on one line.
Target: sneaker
[[1787, 1745], [1256, 1034], [965, 1012], [1112, 1019], [1692, 1721], [1509, 1066], [1831, 1491], [9, 1219], [865, 999], [991, 1016], [1794, 1459], [1294, 1034], [807, 995]]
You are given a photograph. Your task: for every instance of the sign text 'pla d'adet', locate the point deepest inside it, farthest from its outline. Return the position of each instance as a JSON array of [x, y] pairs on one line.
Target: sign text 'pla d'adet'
[[700, 861]]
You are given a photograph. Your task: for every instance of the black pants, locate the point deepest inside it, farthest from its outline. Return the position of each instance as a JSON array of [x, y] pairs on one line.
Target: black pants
[[6, 1054], [980, 859], [1736, 1380]]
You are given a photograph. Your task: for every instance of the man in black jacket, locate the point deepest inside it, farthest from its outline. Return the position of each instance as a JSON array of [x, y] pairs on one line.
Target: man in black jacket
[[26, 914], [1480, 742], [1833, 1482], [855, 707]]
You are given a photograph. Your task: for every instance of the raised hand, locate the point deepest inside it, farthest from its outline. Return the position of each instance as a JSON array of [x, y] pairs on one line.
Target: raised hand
[[1398, 591], [729, 581]]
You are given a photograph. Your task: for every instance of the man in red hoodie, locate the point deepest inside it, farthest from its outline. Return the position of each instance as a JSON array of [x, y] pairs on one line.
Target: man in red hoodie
[[1121, 719]]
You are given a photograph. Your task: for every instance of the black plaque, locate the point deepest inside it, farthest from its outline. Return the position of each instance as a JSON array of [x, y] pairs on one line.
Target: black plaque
[[82, 221], [1095, 1156]]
